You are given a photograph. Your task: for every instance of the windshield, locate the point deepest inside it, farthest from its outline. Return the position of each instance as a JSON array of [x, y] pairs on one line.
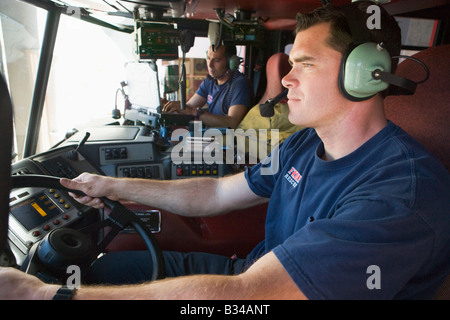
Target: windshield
[[87, 69]]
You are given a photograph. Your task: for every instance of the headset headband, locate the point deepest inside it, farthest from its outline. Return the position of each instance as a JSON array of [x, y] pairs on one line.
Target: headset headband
[[355, 19], [357, 23]]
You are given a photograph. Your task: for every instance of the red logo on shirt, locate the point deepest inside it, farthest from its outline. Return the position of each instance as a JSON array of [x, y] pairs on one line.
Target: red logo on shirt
[[293, 177], [295, 174], [210, 98]]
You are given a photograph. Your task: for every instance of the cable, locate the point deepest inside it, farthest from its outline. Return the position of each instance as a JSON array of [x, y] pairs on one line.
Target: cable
[[423, 65]]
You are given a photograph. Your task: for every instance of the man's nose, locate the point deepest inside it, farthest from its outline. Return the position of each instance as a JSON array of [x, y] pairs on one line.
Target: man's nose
[[289, 80]]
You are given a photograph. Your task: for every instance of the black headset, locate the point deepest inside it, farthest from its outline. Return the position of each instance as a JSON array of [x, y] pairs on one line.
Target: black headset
[[233, 61], [366, 66]]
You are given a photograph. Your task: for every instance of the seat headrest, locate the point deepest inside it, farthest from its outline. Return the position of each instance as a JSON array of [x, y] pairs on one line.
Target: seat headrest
[[277, 67]]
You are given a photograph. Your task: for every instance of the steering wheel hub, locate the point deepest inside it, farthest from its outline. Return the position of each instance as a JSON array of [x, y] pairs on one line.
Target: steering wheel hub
[[63, 247]]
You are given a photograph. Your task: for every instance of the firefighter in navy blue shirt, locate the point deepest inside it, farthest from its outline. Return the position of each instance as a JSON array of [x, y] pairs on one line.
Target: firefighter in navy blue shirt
[[226, 91]]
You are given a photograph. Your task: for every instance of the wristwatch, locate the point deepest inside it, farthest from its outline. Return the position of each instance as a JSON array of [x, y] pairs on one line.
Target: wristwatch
[[199, 113], [64, 293]]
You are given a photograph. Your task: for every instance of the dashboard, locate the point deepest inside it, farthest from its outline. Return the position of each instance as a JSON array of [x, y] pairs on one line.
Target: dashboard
[[117, 151]]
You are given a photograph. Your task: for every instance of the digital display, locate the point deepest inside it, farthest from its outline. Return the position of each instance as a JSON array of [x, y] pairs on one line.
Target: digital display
[[35, 211]]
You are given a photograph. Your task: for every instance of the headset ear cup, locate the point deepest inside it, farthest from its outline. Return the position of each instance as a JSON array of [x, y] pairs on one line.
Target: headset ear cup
[[234, 62], [355, 75]]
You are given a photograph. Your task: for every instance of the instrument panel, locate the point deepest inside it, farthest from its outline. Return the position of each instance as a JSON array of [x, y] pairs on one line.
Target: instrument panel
[[117, 151], [36, 211]]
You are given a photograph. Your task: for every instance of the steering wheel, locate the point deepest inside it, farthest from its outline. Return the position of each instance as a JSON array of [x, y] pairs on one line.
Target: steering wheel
[[65, 246]]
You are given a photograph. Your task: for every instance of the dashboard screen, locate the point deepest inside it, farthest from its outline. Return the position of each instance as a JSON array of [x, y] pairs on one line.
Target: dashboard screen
[[35, 211]]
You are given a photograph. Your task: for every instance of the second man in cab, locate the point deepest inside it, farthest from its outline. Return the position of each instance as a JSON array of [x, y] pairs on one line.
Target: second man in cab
[[227, 92]]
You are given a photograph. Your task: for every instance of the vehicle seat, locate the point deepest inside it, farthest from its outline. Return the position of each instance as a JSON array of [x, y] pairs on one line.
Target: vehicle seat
[[426, 114], [277, 67]]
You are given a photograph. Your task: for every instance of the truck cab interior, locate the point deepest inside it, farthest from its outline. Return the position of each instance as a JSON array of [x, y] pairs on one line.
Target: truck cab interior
[[131, 137]]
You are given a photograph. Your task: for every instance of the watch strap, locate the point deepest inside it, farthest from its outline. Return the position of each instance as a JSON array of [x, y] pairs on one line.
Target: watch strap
[[199, 113], [64, 293]]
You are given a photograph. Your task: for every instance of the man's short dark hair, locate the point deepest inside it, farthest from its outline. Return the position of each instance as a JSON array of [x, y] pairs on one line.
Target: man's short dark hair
[[341, 36]]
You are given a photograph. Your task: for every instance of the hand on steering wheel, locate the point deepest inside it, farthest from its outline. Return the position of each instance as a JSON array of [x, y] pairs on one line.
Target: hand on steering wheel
[[119, 218]]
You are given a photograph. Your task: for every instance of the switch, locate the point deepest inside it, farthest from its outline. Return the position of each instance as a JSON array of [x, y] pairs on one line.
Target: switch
[[141, 172], [123, 153], [116, 153], [108, 154], [148, 172], [155, 172]]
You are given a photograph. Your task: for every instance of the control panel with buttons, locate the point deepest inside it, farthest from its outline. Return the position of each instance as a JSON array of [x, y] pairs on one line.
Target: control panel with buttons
[[185, 170], [148, 171], [113, 154], [59, 168], [37, 211]]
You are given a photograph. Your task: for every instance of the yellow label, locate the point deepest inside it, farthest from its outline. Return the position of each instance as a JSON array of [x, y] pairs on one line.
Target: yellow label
[[38, 209]]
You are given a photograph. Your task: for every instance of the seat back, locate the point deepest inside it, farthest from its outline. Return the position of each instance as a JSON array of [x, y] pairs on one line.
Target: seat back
[[277, 67], [425, 115]]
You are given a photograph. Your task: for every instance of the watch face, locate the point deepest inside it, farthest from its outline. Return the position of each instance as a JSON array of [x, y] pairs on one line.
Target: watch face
[[199, 112]]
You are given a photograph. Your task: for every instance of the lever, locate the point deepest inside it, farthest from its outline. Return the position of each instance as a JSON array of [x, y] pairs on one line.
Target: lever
[[73, 154]]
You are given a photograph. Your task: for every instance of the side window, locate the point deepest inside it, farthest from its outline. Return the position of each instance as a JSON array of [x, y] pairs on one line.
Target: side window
[[20, 46], [87, 68]]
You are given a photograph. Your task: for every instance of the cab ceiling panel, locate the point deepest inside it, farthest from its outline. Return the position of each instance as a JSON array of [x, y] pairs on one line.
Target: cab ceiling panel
[[277, 14], [158, 9], [205, 9], [261, 8], [200, 9]]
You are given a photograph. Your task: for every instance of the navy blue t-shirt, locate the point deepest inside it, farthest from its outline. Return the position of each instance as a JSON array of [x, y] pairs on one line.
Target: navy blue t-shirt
[[219, 98], [374, 224]]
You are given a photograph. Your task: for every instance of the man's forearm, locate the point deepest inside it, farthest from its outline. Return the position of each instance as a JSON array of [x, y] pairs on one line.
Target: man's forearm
[[266, 279], [198, 287], [188, 197], [218, 121]]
